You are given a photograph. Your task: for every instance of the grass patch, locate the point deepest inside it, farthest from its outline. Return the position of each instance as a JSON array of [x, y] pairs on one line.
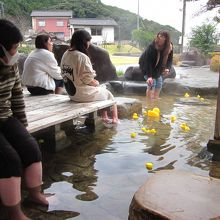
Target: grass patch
[[120, 73], [120, 60], [113, 48]]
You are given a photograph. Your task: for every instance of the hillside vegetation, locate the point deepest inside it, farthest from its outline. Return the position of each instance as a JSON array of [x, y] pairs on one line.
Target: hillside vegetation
[[20, 10]]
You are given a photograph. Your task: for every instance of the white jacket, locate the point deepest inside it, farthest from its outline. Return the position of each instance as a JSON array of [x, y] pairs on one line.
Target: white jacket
[[40, 69]]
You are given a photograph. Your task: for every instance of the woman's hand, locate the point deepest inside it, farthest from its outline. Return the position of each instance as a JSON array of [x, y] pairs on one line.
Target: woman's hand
[[150, 81], [94, 82]]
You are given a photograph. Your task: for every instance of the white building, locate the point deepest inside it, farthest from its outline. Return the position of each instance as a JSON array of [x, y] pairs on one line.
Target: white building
[[101, 30]]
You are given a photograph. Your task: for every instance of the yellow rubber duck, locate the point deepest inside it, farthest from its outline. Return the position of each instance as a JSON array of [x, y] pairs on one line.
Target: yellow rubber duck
[[144, 129], [145, 113], [149, 165], [156, 110], [198, 96], [133, 135], [186, 95], [202, 99], [151, 131], [135, 116], [172, 118], [151, 113], [185, 127]]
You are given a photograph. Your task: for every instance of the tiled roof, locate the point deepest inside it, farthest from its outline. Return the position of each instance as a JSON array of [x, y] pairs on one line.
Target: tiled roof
[[92, 22], [55, 13]]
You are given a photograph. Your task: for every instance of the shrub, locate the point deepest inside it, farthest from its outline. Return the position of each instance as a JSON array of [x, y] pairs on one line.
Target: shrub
[[215, 63], [120, 73], [176, 59]]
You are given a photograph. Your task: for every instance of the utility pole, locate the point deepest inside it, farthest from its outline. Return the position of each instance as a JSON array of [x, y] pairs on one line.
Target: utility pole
[[138, 18], [183, 25], [2, 13]]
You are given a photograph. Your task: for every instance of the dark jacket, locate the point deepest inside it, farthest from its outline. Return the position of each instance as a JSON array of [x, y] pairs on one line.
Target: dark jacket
[[148, 60]]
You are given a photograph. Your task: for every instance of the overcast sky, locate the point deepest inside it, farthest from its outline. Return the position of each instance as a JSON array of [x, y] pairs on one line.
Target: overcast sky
[[166, 12]]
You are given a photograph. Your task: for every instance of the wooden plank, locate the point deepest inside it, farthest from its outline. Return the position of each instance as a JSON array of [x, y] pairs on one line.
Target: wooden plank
[[45, 111], [71, 109]]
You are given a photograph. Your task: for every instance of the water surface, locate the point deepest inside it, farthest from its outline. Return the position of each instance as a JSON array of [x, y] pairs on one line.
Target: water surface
[[97, 176]]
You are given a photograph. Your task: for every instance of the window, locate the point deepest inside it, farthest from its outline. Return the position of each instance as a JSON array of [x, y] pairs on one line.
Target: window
[[60, 23], [96, 31], [59, 35], [41, 23]]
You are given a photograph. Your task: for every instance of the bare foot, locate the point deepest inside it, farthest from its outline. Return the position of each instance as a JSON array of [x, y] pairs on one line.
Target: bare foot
[[115, 121], [38, 198]]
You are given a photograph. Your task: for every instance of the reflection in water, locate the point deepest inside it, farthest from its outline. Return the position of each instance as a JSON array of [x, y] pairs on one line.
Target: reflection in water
[[98, 175]]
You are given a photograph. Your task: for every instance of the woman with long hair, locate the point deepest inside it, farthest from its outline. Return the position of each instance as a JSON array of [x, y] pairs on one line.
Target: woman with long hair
[[79, 76], [155, 62]]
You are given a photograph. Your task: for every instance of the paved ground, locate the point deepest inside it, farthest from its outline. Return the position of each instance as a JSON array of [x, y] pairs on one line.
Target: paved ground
[[196, 80], [196, 77]]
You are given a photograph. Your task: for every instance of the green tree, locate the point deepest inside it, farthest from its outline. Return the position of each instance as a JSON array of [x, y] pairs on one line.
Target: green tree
[[143, 38], [204, 38]]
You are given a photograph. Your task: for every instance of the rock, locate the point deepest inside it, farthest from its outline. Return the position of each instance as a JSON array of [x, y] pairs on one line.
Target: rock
[[59, 50], [176, 195], [21, 60], [193, 58], [134, 73], [100, 59], [129, 87], [127, 106], [102, 64]]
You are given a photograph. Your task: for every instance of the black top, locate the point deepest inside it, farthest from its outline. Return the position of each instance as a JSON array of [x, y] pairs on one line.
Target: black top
[[148, 61]]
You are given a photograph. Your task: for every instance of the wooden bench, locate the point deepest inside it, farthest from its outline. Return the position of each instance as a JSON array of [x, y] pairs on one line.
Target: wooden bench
[[47, 113]]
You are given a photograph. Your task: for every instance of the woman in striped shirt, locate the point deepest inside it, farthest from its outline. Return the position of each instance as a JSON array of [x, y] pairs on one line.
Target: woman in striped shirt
[[19, 152]]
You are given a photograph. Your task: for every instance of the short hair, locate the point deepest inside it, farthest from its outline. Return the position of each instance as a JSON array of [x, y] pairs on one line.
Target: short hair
[[9, 34], [41, 41], [79, 40]]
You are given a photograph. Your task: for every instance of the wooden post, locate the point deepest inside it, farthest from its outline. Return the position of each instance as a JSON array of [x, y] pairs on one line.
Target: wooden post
[[214, 145], [217, 118]]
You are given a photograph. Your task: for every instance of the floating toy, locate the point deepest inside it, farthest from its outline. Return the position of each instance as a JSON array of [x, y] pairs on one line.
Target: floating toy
[[172, 118], [202, 99], [156, 110], [133, 135], [135, 116], [145, 113], [149, 166], [152, 131], [144, 129], [185, 127], [198, 96], [151, 113], [186, 95]]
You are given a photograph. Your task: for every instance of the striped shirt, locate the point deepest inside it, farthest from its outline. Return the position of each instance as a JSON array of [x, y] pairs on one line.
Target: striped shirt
[[11, 94]]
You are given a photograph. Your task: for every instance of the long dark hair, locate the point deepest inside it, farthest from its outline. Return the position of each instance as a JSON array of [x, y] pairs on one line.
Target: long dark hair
[[79, 41], [166, 47], [41, 41], [9, 34]]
